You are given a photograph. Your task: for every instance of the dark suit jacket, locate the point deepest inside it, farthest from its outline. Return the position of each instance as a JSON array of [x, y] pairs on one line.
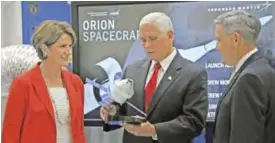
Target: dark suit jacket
[[179, 106], [29, 116], [246, 111]]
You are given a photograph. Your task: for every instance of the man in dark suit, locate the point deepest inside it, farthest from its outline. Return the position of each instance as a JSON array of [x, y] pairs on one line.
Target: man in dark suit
[[246, 110], [170, 89]]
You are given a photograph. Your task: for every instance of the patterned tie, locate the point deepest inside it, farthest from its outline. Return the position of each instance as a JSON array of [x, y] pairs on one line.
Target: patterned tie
[[232, 75], [151, 86]]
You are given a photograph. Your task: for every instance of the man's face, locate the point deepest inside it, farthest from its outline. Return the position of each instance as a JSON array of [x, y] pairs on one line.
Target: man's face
[[226, 46], [157, 44]]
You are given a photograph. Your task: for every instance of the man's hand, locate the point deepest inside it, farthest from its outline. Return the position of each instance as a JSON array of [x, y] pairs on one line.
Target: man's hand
[[145, 129], [105, 111]]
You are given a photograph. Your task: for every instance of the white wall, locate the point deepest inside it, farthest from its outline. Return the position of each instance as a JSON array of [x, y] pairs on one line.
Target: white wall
[[11, 31], [11, 23]]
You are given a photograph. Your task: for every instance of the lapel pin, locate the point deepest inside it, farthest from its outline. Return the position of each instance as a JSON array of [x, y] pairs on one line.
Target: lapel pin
[[169, 78]]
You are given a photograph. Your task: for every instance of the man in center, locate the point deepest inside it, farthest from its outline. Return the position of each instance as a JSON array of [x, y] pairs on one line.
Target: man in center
[[170, 89]]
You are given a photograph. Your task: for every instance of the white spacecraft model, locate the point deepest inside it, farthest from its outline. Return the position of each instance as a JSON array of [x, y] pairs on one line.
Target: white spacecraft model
[[15, 59]]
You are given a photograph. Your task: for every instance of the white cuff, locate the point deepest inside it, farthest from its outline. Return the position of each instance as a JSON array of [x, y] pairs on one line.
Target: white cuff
[[155, 137]]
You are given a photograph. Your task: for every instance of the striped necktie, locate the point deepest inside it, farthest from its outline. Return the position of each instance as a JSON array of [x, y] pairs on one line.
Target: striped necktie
[[232, 75]]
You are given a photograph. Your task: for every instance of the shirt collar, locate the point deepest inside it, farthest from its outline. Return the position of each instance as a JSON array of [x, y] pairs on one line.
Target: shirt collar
[[244, 58], [166, 62]]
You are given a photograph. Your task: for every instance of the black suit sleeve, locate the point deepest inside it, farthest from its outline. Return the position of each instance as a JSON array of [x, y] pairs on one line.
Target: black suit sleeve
[[248, 110], [122, 111], [194, 112]]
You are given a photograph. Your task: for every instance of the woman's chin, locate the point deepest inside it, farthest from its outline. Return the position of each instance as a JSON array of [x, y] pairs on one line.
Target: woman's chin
[[64, 64]]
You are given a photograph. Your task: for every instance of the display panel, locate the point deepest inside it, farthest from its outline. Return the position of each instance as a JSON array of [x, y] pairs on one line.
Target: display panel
[[108, 42]]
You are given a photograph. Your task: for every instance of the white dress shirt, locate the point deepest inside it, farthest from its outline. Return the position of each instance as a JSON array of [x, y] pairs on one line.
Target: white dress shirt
[[164, 66], [244, 58]]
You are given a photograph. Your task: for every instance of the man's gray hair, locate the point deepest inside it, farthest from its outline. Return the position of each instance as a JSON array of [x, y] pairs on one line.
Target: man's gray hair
[[162, 21], [240, 21], [48, 33]]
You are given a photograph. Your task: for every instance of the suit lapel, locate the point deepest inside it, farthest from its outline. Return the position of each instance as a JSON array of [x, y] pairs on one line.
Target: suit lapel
[[140, 83], [42, 91], [169, 77], [233, 80], [251, 59]]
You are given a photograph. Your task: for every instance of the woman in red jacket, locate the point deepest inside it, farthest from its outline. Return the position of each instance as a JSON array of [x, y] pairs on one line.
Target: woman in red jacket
[[45, 104]]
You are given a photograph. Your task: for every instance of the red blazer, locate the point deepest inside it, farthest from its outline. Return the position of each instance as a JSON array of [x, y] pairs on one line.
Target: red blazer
[[29, 116]]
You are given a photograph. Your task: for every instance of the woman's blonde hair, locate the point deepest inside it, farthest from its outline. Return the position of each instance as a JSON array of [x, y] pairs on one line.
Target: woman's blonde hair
[[48, 33]]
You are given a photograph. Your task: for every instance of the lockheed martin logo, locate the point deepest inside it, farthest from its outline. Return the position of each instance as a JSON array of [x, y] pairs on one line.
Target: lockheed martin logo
[[112, 13], [259, 7]]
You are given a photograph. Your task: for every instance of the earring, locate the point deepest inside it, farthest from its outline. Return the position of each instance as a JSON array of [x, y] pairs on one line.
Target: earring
[[43, 49], [44, 55]]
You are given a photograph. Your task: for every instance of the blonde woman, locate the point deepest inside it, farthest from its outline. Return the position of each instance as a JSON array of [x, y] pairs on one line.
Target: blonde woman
[[45, 104]]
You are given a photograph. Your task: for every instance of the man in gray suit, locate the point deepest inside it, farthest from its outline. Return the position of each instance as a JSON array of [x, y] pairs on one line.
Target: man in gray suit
[[246, 110], [170, 89]]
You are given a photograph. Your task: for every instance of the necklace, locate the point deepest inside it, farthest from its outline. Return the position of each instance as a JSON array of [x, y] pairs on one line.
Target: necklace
[[60, 111]]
